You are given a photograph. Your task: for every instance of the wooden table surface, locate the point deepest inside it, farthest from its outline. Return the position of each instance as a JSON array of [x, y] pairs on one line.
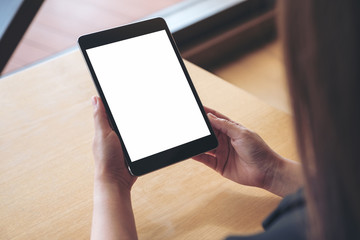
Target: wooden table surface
[[46, 163]]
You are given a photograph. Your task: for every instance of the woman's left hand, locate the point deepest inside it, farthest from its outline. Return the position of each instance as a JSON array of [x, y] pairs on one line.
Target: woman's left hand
[[113, 217], [109, 158]]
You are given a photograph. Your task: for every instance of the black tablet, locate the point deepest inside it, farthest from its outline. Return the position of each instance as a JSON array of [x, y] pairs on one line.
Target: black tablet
[[149, 97]]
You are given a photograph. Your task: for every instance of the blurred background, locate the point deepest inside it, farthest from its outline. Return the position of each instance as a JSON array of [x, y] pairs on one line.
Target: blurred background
[[234, 39]]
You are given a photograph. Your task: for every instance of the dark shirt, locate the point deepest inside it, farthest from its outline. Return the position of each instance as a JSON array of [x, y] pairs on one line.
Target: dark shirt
[[288, 221]]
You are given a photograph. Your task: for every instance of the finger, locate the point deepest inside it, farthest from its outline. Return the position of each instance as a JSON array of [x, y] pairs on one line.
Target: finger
[[228, 127], [206, 159], [100, 118], [216, 113], [211, 152]]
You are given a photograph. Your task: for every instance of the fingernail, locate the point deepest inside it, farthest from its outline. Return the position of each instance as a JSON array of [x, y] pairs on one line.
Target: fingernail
[[94, 101], [212, 116]]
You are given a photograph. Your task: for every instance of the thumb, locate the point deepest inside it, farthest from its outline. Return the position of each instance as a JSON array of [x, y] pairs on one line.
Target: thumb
[[226, 126], [101, 122]]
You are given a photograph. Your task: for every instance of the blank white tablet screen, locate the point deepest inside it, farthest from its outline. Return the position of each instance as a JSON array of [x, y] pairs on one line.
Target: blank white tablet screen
[[148, 94]]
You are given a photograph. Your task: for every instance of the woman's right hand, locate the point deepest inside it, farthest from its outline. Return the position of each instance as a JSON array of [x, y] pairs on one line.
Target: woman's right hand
[[243, 157]]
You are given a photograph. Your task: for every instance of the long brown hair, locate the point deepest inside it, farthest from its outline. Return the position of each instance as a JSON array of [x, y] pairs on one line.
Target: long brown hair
[[322, 51]]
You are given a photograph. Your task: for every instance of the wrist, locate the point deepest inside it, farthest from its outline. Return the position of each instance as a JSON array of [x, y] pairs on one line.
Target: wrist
[[111, 192], [285, 177], [113, 216], [115, 180]]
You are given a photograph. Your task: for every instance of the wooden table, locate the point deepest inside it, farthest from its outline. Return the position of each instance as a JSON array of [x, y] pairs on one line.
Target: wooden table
[[46, 163]]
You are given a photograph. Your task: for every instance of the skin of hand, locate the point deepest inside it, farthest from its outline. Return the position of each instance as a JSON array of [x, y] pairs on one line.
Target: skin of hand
[[108, 155], [113, 216], [243, 157]]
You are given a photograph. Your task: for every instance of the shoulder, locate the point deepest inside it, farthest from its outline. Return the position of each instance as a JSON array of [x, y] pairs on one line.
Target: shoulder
[[288, 221]]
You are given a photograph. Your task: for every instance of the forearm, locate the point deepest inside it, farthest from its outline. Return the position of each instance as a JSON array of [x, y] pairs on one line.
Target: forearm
[[113, 216], [286, 177]]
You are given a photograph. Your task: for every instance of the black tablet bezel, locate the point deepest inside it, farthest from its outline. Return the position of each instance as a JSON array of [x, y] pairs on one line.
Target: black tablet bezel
[[170, 156]]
